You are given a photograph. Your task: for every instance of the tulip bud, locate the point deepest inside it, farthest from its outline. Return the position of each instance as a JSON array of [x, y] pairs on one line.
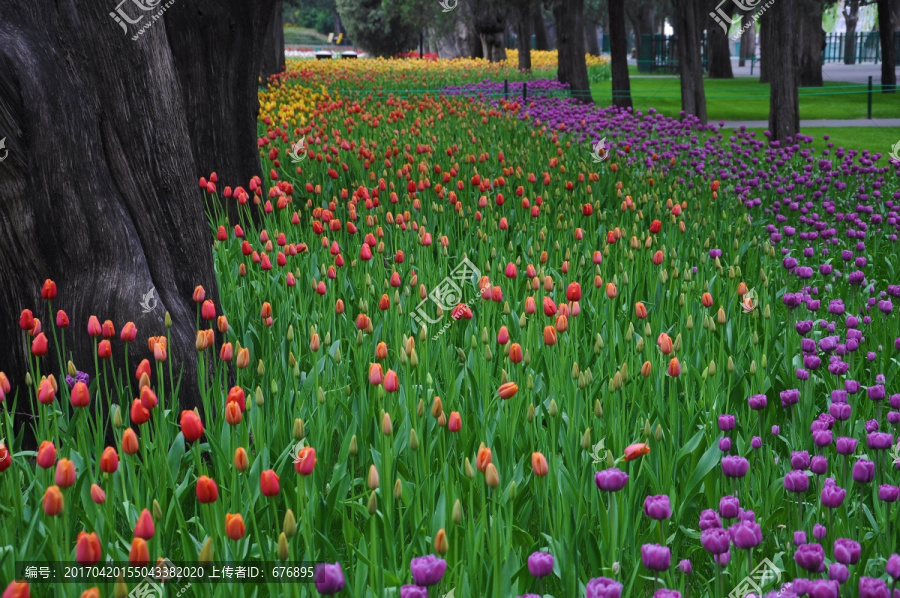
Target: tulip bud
[[373, 503], [168, 320], [289, 527], [413, 439], [762, 361], [119, 591], [658, 434], [616, 568], [586, 439], [470, 473], [282, 547], [117, 416], [320, 396], [753, 366], [398, 489], [206, 553], [554, 409], [259, 399], [598, 409], [712, 368], [441, 545], [353, 446], [260, 369], [71, 368], [491, 476], [420, 408], [386, 428], [372, 479], [646, 427], [157, 510], [299, 430]]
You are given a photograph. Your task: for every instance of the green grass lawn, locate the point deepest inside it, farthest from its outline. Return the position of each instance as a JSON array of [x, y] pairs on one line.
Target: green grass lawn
[[745, 98], [875, 139], [298, 36]]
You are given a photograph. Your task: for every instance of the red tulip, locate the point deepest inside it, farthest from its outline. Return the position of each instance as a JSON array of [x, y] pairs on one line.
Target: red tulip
[[130, 444], [376, 375], [39, 345], [104, 349], [87, 549], [80, 396], [207, 490], [108, 330], [573, 292], [634, 451], [655, 226], [109, 460], [148, 398], [674, 368], [93, 327], [268, 483], [508, 390], [611, 291], [139, 413], [391, 382], [530, 306], [17, 589], [241, 460], [658, 258], [236, 395], [539, 464], [129, 332], [208, 311], [455, 422], [97, 494], [143, 368], [226, 352], [46, 392], [640, 310], [53, 501], [46, 455], [199, 294], [191, 426], [305, 461], [461, 311], [144, 527], [503, 335], [62, 319], [26, 320], [48, 291], [5, 458], [549, 307], [706, 300]]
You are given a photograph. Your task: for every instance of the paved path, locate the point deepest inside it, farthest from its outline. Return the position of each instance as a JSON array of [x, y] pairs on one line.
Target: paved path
[[804, 124]]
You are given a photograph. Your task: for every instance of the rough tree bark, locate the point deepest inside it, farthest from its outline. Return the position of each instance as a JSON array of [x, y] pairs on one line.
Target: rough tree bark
[[810, 38], [572, 67], [618, 50], [273, 47], [490, 23], [591, 43], [100, 186], [719, 50], [851, 18], [764, 43], [784, 105], [524, 20], [748, 39], [888, 60], [693, 97]]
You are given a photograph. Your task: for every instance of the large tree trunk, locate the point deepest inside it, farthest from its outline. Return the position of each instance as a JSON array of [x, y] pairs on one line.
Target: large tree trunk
[[523, 34], [273, 47], [693, 97], [100, 186], [784, 105], [851, 18], [540, 31], [591, 43], [888, 60], [810, 39], [719, 53], [641, 14], [572, 67], [618, 50], [764, 43], [490, 24], [748, 39]]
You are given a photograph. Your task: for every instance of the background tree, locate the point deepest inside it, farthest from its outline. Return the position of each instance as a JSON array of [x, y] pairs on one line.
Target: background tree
[[810, 42], [377, 26], [100, 186], [273, 47], [490, 25], [571, 63], [888, 60], [850, 10], [618, 49], [781, 58], [641, 14], [693, 97], [719, 50], [524, 14]]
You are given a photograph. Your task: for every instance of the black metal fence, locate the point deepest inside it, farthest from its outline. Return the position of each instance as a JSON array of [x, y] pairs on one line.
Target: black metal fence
[[856, 47]]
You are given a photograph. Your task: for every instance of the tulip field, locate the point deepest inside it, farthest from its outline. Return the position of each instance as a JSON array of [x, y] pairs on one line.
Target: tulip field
[[459, 352]]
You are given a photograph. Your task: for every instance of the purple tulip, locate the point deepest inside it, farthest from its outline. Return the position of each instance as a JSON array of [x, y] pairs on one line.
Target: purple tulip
[[726, 422], [656, 557], [799, 538], [715, 540], [757, 402], [871, 587], [838, 572], [863, 471], [709, 519], [756, 442], [810, 557], [734, 466], [657, 507], [790, 397], [846, 551], [611, 480], [880, 441], [745, 534], [723, 559], [823, 588], [728, 507], [665, 593], [603, 587], [893, 566], [684, 566], [725, 444], [845, 445], [832, 494], [819, 465], [796, 481], [329, 578], [800, 460], [876, 393], [540, 564], [427, 570], [819, 531], [411, 591]]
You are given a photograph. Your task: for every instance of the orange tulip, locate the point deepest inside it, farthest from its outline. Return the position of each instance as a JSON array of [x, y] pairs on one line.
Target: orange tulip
[[515, 353], [646, 369], [234, 526], [46, 392], [491, 476], [674, 368], [46, 455], [706, 300], [611, 291], [87, 549], [549, 336], [243, 358], [139, 554], [233, 414], [562, 324], [539, 464], [138, 413], [130, 443], [381, 350], [665, 343], [241, 460], [483, 459], [508, 390], [53, 501], [634, 451], [207, 490], [376, 374], [65, 473], [742, 289], [640, 310], [191, 426], [80, 396], [91, 593], [17, 589]]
